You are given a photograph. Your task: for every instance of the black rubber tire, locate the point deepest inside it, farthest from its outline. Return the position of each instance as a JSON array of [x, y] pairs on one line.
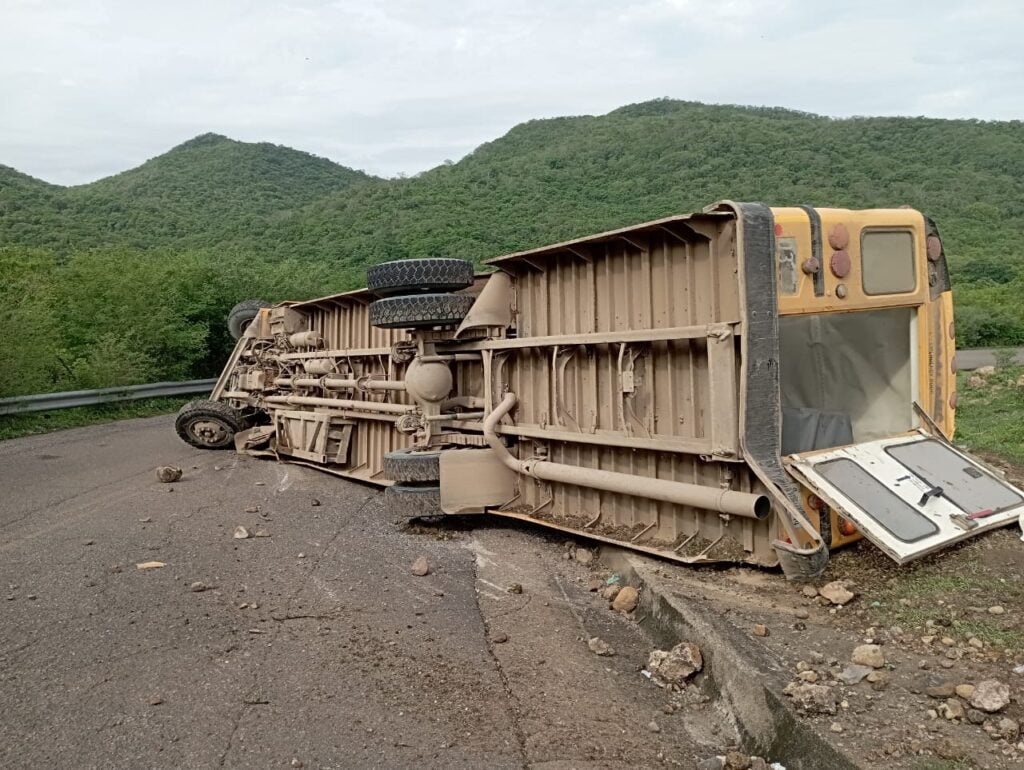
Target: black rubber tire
[[413, 465], [208, 424], [419, 276], [241, 315], [413, 501], [418, 311]]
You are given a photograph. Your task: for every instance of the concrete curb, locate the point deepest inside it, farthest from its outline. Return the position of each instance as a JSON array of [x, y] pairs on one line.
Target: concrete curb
[[745, 675]]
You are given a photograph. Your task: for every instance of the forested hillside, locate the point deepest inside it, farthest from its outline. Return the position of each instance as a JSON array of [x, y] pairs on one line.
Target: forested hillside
[[186, 235]]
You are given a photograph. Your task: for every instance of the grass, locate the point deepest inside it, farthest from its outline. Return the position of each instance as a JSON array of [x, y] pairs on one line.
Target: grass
[[990, 412], [17, 425]]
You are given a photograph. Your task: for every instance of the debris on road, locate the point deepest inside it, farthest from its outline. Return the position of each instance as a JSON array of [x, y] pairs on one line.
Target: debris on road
[[837, 593], [868, 655], [241, 533], [990, 696], [150, 565], [626, 600], [420, 567], [584, 556], [671, 668], [168, 474], [599, 646], [812, 698]]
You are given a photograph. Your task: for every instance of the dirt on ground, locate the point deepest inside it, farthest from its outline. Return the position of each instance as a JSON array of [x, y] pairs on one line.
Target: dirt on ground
[[919, 666]]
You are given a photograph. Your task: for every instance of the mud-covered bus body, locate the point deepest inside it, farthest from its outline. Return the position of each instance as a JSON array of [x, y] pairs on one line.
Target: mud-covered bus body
[[730, 385]]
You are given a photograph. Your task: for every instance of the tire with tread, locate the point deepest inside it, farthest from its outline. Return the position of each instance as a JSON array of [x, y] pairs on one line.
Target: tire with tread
[[419, 276], [207, 424], [417, 311], [413, 466], [414, 501], [241, 315]]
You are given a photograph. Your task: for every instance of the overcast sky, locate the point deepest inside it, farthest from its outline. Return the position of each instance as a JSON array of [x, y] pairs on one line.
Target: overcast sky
[[92, 87]]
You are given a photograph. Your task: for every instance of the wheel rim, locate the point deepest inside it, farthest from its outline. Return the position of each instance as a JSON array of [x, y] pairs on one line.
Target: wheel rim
[[209, 432]]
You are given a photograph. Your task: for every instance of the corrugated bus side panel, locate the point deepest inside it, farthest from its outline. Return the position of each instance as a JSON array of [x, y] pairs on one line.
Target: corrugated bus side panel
[[651, 280]]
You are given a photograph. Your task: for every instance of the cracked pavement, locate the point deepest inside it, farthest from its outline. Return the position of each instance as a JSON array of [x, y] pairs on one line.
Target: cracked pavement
[[314, 645]]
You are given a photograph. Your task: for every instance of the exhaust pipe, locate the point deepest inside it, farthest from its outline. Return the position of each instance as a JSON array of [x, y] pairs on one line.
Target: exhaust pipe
[[746, 504]]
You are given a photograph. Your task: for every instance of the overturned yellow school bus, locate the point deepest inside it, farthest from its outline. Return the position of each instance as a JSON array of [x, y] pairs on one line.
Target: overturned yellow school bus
[[747, 383]]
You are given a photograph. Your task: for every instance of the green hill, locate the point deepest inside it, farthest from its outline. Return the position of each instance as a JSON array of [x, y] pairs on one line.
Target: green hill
[[209, 191], [214, 221]]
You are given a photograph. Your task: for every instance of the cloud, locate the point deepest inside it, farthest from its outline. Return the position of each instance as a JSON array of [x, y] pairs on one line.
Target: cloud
[[91, 87]]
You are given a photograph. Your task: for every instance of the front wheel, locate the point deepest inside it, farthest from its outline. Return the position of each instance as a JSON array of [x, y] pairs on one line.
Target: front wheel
[[208, 424]]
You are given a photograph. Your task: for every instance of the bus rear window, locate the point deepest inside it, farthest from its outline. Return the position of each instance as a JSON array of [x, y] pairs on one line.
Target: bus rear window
[[887, 262]]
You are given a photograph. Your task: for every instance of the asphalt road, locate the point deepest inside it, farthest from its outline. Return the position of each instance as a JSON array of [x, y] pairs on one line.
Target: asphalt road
[[975, 358], [312, 647]]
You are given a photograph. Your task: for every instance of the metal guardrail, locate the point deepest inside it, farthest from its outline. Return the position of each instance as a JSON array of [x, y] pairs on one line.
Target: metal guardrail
[[72, 398]]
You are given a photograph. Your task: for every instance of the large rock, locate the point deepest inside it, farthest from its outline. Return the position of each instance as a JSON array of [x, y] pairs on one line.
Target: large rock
[[854, 674], [626, 599], [836, 592], [868, 655], [990, 696], [675, 666], [812, 698]]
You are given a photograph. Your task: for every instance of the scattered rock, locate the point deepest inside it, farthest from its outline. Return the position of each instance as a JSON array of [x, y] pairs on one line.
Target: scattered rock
[[990, 696], [735, 760], [976, 643], [984, 371], [595, 584], [808, 676], [314, 502], [868, 655], [261, 533], [515, 588], [584, 555], [996, 610], [198, 587], [168, 474], [301, 555], [675, 666], [1008, 729], [253, 509], [156, 701], [965, 691], [836, 593], [801, 613], [941, 690], [150, 565], [836, 727], [420, 567], [499, 638], [146, 520], [953, 709], [854, 674], [810, 592], [812, 698], [599, 646], [610, 592], [975, 717], [653, 726], [241, 533], [760, 629], [712, 763], [626, 600]]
